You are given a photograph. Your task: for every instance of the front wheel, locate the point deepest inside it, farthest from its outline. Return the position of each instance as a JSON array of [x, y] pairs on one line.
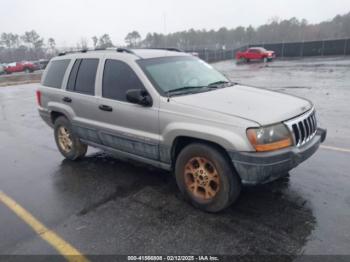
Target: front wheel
[[206, 178], [67, 142]]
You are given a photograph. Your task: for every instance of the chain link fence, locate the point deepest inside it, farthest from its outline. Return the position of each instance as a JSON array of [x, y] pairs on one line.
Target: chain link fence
[[283, 50]]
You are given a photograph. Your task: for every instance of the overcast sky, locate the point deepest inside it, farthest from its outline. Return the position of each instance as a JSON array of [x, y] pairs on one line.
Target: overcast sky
[[70, 20]]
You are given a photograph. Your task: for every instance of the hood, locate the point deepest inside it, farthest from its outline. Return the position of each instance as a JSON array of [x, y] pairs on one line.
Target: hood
[[259, 105]]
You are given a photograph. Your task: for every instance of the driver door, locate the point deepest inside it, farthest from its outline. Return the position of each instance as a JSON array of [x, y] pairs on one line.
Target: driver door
[[125, 126]]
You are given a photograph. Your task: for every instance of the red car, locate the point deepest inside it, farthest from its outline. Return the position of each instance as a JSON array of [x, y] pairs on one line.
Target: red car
[[255, 53], [15, 67]]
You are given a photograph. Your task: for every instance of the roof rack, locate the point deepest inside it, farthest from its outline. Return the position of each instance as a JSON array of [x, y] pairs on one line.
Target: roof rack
[[174, 49], [119, 50], [127, 50], [76, 51]]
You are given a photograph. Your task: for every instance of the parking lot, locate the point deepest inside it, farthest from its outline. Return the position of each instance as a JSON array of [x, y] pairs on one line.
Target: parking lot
[[101, 205]]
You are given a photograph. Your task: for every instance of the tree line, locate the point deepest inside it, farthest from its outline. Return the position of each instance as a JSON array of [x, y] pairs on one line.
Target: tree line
[[274, 31], [31, 46]]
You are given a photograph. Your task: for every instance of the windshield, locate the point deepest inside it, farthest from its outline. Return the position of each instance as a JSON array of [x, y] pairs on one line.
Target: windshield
[[180, 73]]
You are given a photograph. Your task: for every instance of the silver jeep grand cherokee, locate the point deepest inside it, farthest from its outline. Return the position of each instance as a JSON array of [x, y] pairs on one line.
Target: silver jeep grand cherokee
[[173, 111]]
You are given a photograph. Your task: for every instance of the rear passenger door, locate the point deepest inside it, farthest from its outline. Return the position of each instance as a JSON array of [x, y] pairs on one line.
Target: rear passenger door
[[80, 96], [127, 127]]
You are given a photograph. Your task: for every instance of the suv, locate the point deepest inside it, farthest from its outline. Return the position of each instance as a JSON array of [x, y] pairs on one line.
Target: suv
[[172, 110]]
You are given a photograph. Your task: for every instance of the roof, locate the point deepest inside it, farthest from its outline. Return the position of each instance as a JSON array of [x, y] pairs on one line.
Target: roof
[[152, 53], [257, 47], [142, 53]]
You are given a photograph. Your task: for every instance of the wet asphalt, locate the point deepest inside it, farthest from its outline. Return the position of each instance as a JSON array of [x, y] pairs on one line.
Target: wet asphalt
[[101, 205]]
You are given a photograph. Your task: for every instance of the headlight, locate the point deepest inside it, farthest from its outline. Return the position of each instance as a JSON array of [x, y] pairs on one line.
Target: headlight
[[269, 138]]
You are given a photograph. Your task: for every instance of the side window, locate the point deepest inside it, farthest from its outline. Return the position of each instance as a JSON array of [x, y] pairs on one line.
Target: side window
[[118, 78], [83, 75], [55, 73]]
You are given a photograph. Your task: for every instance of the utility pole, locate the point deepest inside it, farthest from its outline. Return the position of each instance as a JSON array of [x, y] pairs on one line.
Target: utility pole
[[164, 23]]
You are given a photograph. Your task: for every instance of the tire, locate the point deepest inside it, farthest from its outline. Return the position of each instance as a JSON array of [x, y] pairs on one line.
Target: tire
[[223, 190], [75, 149], [247, 60]]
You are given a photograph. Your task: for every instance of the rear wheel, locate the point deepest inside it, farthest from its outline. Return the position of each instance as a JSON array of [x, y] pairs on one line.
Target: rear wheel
[[206, 178], [67, 142]]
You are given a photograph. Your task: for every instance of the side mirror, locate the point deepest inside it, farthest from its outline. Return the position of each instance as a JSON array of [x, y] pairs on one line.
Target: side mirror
[[139, 96]]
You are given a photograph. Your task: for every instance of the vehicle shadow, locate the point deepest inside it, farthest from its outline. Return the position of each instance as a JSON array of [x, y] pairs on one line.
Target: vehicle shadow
[[271, 219]]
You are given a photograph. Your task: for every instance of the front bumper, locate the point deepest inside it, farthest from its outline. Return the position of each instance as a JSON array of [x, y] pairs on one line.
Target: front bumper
[[259, 168]]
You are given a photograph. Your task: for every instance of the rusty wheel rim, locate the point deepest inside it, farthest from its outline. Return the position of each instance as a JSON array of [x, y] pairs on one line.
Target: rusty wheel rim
[[64, 139], [202, 179]]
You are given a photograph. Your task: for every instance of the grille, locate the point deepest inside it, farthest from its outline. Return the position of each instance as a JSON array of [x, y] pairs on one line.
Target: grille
[[303, 128]]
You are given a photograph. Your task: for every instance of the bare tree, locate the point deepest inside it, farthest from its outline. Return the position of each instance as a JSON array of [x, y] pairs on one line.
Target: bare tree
[[133, 39], [33, 39], [52, 46], [52, 43], [94, 41], [9, 40], [105, 41], [83, 43]]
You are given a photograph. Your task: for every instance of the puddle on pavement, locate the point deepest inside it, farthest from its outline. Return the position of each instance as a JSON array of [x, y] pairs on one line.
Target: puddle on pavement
[[267, 219]]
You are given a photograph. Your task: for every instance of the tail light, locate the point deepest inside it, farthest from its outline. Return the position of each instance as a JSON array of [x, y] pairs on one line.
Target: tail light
[[38, 97]]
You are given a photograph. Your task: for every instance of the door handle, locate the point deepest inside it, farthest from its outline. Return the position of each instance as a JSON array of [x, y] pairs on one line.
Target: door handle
[[67, 99], [105, 108]]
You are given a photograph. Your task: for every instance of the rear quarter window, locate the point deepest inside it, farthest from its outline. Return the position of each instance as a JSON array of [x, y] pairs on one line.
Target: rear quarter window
[[55, 73]]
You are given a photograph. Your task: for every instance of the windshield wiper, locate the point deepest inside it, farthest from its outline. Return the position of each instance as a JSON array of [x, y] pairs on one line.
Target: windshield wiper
[[213, 85], [184, 88], [223, 83], [219, 83]]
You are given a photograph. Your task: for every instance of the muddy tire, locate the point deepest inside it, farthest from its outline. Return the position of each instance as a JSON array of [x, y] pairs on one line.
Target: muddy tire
[[67, 142], [206, 178]]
